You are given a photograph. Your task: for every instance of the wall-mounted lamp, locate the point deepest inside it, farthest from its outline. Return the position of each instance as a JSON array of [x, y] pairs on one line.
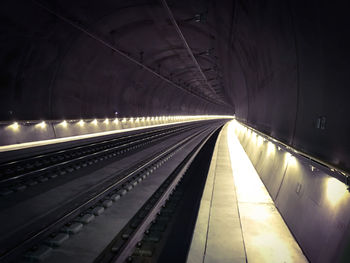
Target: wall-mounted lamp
[[64, 123], [81, 123], [42, 125], [14, 126]]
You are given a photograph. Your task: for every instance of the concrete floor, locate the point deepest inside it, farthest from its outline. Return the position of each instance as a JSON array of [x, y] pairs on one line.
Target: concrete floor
[[237, 220]]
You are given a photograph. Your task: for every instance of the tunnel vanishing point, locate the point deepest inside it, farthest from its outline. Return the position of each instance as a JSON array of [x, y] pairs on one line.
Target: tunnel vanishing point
[[280, 69]]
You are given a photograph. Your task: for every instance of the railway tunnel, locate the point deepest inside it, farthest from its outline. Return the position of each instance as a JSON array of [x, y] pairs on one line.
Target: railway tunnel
[[174, 131]]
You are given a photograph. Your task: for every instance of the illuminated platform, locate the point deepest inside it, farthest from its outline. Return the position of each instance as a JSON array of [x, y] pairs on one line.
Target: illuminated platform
[[237, 220], [75, 138], [33, 134]]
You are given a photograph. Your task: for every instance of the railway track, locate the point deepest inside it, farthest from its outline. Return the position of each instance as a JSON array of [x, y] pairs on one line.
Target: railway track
[[44, 221], [158, 231], [17, 175]]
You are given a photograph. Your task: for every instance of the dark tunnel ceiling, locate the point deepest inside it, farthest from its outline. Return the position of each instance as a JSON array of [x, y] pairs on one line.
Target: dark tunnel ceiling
[[280, 66]]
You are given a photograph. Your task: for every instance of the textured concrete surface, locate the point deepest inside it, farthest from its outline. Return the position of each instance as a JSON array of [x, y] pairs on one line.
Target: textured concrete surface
[[266, 236], [218, 234], [237, 220], [89, 243], [314, 205], [280, 66], [20, 217]]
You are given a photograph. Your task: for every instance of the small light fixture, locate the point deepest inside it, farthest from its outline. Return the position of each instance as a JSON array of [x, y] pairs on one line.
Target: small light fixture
[[81, 123], [64, 123], [14, 126], [106, 121], [42, 125], [116, 121], [94, 122]]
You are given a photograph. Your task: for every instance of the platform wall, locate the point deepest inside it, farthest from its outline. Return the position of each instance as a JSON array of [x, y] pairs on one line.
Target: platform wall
[[31, 131], [314, 205]]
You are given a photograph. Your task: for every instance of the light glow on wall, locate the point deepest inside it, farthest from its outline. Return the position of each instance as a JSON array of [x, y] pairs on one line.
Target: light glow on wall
[[19, 128], [14, 126], [249, 132], [64, 124], [260, 141], [81, 123], [271, 148], [41, 125], [336, 188], [253, 138], [335, 191], [290, 159]]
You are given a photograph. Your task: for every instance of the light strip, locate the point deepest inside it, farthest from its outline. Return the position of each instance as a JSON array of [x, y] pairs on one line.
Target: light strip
[[333, 171]]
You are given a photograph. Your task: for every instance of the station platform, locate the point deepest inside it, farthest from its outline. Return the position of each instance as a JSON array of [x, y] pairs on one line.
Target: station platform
[[24, 145], [237, 220]]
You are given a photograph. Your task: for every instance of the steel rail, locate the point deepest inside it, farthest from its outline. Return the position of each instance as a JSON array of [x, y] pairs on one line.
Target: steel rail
[[92, 155], [76, 148], [136, 236], [107, 139], [13, 252]]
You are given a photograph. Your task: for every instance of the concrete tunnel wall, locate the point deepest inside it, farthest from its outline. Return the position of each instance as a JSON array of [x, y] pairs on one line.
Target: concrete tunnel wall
[[314, 205], [50, 70], [284, 65], [292, 57]]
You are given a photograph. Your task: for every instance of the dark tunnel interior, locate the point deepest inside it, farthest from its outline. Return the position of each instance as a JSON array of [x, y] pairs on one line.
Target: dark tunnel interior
[[282, 67]]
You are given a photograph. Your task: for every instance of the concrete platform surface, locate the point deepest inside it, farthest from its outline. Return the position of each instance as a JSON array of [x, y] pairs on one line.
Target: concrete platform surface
[[237, 220]]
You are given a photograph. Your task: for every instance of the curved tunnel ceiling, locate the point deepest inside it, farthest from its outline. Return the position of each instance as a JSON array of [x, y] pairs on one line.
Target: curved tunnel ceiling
[[282, 67]]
